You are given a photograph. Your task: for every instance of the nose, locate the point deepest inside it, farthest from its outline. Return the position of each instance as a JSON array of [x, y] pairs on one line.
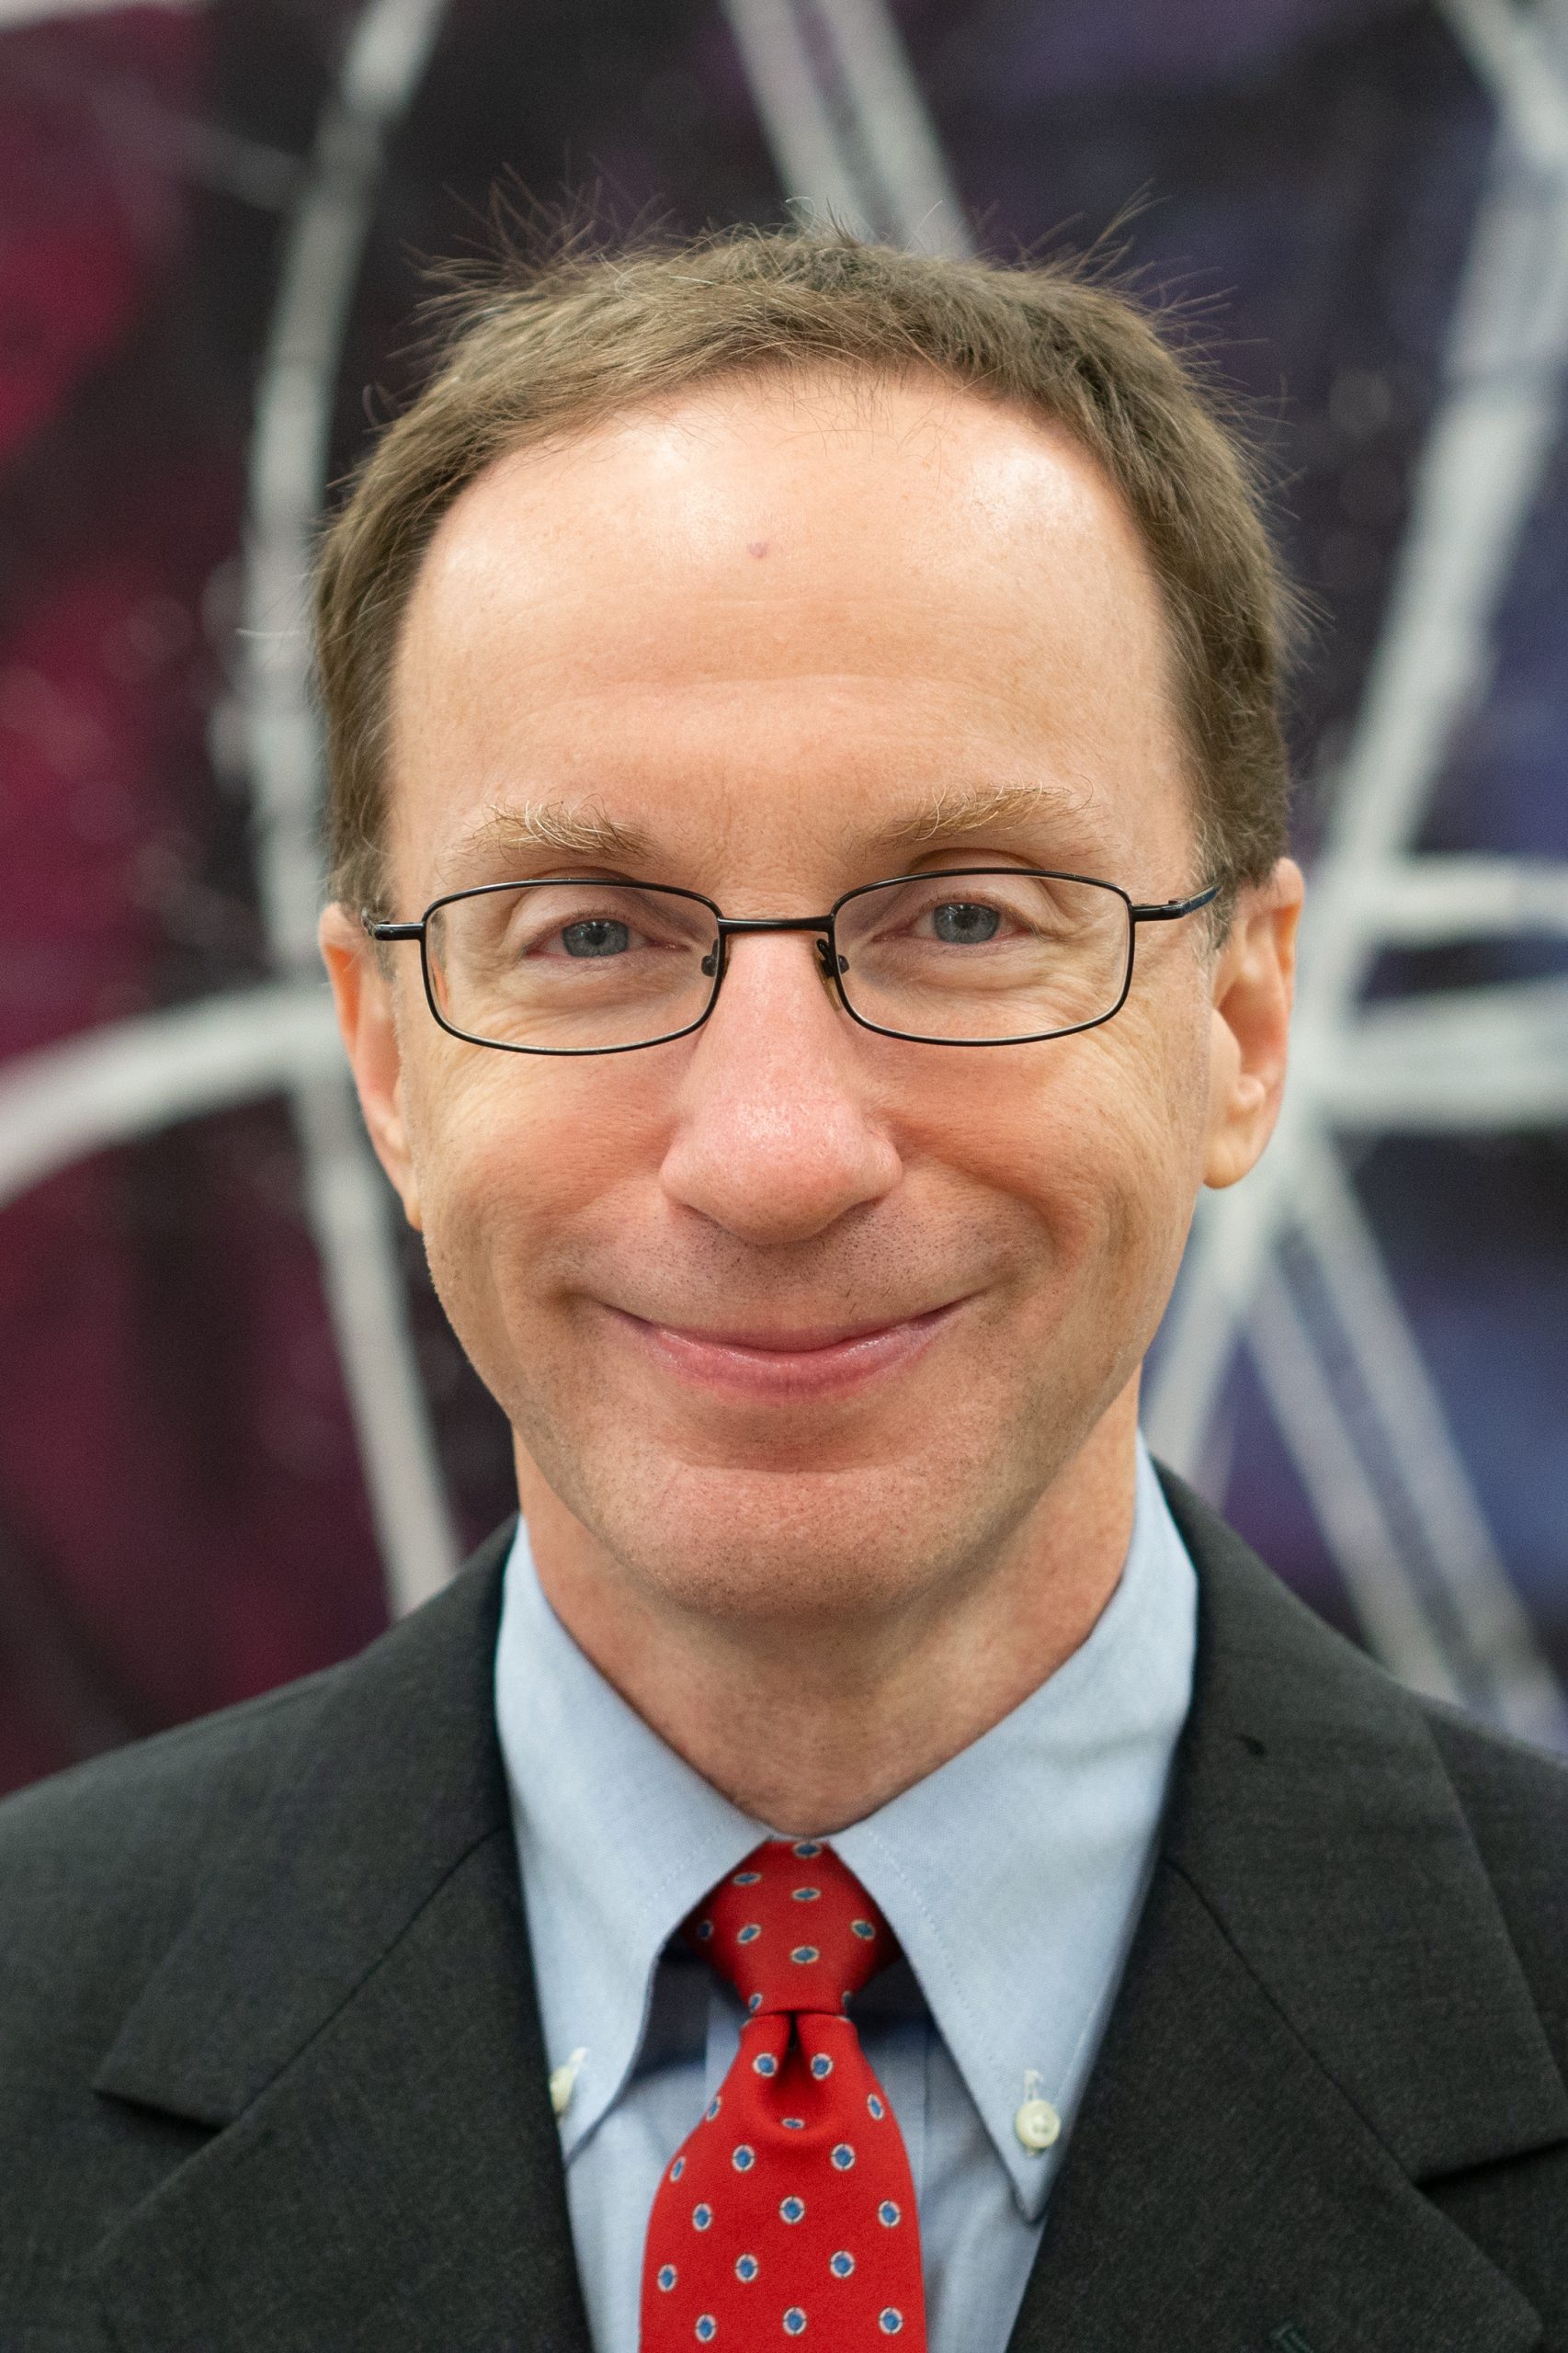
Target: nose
[[775, 1137]]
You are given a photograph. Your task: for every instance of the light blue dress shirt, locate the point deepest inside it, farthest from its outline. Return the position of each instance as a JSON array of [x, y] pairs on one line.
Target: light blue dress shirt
[[1013, 1877]]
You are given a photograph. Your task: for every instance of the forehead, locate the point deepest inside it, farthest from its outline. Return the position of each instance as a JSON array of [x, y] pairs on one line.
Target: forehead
[[815, 592]]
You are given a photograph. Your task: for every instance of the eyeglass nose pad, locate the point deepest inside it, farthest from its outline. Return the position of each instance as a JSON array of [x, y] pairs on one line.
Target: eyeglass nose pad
[[826, 959], [710, 963]]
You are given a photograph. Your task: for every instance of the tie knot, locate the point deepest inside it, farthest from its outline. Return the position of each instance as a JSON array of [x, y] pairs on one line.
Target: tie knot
[[791, 1929]]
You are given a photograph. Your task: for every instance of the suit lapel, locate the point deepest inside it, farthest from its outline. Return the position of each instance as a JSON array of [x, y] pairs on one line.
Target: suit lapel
[[1320, 2012], [351, 2009], [1223, 2195]]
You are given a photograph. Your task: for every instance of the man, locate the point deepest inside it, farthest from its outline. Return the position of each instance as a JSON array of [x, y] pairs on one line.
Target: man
[[866, 1858]]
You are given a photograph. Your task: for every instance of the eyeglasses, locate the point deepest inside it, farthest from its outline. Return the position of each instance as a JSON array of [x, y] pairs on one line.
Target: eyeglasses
[[969, 956]]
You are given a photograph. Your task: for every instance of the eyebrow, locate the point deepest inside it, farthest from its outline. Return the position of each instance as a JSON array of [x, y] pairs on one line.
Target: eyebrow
[[583, 832], [951, 814], [556, 826]]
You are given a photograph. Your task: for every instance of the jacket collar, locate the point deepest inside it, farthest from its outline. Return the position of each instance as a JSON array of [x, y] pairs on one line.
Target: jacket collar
[[1322, 2011], [351, 2005]]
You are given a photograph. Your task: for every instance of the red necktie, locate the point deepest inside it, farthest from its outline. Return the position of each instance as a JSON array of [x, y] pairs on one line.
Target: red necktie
[[789, 2212]]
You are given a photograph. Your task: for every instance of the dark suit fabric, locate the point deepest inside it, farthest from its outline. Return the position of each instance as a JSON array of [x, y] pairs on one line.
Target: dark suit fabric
[[271, 2075]]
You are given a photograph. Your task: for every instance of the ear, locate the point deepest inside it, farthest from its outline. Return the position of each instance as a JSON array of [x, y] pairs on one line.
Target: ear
[[1253, 985], [367, 1016]]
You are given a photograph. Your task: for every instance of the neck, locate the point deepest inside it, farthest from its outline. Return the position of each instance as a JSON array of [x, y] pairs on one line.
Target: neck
[[807, 1727]]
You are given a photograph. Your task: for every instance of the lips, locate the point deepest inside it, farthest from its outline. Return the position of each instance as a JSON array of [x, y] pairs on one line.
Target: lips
[[758, 1363], [761, 1341]]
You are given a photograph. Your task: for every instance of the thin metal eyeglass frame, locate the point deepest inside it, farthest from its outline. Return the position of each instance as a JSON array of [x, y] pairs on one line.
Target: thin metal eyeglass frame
[[833, 965]]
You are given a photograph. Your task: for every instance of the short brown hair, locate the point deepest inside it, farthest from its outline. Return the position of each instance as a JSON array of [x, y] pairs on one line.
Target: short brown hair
[[546, 350]]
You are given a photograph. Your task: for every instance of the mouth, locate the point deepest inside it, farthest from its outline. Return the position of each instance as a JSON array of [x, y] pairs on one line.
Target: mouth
[[758, 1364]]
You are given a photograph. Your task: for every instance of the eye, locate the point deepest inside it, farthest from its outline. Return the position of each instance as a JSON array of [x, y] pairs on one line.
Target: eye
[[964, 923], [595, 935]]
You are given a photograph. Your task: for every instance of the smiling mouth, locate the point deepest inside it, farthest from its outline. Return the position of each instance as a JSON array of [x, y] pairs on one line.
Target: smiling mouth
[[753, 1362]]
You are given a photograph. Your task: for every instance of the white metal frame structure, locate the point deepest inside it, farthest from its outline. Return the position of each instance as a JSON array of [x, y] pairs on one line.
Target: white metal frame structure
[[1286, 1265], [135, 1077], [845, 119], [347, 1200]]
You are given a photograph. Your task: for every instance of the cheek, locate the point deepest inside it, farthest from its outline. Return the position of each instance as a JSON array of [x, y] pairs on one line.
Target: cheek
[[1147, 1147], [1099, 1144], [518, 1163]]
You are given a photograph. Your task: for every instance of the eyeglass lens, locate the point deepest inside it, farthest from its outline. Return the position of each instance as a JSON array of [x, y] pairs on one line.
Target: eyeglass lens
[[975, 957]]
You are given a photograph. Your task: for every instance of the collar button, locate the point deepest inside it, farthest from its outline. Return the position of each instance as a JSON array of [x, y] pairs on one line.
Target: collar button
[[1037, 2125], [564, 2082]]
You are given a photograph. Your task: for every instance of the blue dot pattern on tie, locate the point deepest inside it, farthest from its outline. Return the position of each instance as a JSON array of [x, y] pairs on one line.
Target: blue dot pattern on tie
[[822, 2251]]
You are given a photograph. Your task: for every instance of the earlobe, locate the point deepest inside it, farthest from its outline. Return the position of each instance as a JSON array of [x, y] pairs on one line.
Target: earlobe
[[1254, 982], [367, 1018]]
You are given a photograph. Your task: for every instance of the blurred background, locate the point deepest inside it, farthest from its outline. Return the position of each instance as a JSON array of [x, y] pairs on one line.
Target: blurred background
[[236, 1435]]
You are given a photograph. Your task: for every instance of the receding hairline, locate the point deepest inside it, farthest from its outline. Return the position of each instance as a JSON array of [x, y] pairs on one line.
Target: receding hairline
[[782, 378], [540, 348], [1091, 484], [767, 378]]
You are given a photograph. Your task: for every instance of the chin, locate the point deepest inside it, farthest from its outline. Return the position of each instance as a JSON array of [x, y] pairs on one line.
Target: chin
[[802, 1574], [745, 1543]]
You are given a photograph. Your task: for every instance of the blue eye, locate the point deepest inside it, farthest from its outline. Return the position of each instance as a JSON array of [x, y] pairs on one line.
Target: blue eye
[[595, 935], [961, 923]]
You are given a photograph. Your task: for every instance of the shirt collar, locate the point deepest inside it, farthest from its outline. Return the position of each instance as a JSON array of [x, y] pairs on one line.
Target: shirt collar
[[618, 1839], [1012, 1875]]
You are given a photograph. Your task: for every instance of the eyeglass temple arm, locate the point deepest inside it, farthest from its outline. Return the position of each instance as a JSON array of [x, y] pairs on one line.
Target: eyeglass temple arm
[[391, 930], [1170, 909]]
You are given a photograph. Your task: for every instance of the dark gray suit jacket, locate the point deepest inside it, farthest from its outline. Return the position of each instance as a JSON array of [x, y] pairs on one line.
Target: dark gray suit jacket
[[271, 2075]]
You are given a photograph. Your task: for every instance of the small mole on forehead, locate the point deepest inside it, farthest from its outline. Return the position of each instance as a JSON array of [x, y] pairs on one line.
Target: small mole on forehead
[[757, 547]]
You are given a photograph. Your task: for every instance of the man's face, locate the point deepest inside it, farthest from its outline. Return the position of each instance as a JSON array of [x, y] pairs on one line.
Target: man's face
[[793, 1317]]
